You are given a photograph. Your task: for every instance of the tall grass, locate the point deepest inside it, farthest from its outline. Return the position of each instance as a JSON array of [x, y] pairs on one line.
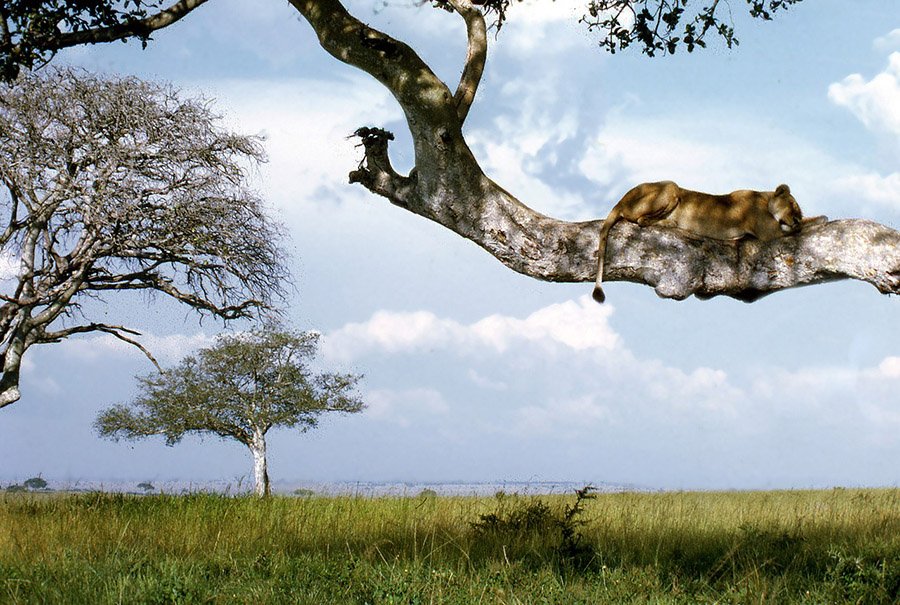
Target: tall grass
[[779, 547]]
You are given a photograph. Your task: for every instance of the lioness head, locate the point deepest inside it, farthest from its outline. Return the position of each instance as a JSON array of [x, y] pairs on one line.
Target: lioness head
[[785, 209]]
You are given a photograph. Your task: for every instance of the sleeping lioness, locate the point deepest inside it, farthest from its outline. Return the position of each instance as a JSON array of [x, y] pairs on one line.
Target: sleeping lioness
[[765, 215]]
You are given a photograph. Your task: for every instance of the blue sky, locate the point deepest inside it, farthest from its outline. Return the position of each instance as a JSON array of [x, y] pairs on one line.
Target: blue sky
[[476, 373]]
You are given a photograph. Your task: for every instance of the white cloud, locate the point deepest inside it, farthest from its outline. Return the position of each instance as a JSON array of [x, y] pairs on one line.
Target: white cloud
[[853, 401], [889, 368], [167, 349], [562, 418], [718, 153], [711, 152], [888, 42], [403, 407], [876, 102], [545, 28], [484, 382], [563, 374], [703, 387], [10, 265], [577, 325], [307, 124], [871, 187], [560, 370], [521, 145]]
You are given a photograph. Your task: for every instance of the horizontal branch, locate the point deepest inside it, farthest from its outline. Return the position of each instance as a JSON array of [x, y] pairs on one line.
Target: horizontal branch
[[676, 264], [129, 29], [116, 331]]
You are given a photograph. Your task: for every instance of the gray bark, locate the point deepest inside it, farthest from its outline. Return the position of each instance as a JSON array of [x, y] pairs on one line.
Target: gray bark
[[260, 463]]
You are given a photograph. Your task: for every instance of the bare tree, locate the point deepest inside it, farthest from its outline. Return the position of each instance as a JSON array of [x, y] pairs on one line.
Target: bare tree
[[449, 187], [112, 184], [239, 388]]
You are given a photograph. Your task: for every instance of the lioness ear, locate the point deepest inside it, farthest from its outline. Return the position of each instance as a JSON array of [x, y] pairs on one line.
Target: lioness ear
[[782, 190]]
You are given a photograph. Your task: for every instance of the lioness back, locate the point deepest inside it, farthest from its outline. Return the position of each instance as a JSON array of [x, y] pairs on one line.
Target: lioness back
[[725, 217]]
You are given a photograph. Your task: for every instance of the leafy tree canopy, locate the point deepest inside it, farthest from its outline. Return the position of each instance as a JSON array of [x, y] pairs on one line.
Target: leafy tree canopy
[[239, 388]]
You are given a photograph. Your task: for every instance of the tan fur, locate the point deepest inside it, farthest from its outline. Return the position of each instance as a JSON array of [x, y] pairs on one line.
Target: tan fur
[[765, 215]]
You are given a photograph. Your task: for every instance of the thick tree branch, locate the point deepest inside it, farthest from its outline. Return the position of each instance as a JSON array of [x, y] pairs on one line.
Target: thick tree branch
[[677, 265], [476, 56], [375, 172], [390, 61], [430, 108], [674, 263], [140, 28]]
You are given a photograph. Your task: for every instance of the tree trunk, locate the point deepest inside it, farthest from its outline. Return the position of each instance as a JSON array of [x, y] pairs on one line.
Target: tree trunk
[[260, 464]]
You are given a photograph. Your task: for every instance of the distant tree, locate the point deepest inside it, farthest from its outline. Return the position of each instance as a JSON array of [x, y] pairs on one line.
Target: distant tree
[[35, 483], [111, 184], [239, 388], [146, 486]]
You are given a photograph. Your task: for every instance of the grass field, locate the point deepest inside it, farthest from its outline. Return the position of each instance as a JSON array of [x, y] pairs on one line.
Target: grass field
[[839, 546]]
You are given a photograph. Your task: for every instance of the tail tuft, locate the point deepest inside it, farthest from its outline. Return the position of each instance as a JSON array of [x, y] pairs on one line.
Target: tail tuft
[[598, 294]]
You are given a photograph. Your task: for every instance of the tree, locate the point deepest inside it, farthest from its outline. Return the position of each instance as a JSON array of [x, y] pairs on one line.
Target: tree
[[113, 184], [239, 388], [35, 483], [449, 187]]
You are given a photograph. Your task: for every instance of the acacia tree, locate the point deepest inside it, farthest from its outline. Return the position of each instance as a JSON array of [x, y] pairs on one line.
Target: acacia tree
[[239, 388], [449, 187], [112, 184]]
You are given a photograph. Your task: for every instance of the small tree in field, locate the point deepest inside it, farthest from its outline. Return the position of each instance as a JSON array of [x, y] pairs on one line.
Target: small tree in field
[[239, 388], [37, 483]]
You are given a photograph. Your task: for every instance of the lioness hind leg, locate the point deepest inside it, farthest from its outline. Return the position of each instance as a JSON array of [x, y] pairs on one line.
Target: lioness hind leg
[[645, 205], [813, 221]]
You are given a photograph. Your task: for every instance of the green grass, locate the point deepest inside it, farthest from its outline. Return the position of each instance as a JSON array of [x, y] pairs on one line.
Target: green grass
[[840, 546]]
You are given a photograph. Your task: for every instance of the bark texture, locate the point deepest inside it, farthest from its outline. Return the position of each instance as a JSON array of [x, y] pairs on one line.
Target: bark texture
[[260, 463]]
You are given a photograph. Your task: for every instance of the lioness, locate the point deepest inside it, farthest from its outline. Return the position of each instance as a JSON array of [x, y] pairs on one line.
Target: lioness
[[765, 215]]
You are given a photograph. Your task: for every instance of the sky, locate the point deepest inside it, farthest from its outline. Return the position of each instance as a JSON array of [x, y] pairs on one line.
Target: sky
[[476, 373]]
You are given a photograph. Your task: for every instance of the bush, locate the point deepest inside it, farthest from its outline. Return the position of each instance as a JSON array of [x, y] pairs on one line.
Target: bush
[[35, 483], [529, 529]]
